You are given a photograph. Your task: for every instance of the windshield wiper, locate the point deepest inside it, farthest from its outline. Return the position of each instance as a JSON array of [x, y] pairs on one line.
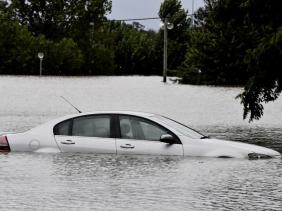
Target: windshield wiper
[[205, 137]]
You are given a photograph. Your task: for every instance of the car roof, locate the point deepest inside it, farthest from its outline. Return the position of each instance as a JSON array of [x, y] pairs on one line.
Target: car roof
[[133, 113], [136, 113], [53, 122]]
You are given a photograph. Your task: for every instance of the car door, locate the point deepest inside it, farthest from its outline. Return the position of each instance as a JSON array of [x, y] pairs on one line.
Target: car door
[[87, 134], [141, 136]]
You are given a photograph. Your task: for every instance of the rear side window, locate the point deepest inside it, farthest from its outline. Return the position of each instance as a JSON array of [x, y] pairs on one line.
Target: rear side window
[[92, 126], [88, 126], [63, 128]]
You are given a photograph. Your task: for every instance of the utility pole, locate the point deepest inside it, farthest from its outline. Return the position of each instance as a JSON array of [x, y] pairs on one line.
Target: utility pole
[[192, 16], [92, 33], [40, 56], [165, 51], [92, 46], [167, 25]]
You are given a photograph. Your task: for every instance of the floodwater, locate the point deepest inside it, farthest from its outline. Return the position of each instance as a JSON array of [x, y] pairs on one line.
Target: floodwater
[[35, 181]]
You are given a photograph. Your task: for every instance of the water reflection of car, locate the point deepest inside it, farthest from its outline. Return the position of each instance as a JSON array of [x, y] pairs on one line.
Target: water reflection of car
[[126, 133]]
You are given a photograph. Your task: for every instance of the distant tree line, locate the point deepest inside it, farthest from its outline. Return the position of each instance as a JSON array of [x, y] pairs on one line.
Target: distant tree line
[[77, 39], [231, 43]]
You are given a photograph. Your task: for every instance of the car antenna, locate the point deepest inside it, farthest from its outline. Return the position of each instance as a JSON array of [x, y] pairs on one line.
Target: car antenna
[[71, 104]]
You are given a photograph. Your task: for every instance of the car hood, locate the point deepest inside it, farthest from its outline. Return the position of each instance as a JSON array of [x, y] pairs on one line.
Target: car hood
[[243, 148]]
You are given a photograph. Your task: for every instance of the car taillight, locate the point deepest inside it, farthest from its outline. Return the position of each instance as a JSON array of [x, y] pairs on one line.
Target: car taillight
[[4, 144]]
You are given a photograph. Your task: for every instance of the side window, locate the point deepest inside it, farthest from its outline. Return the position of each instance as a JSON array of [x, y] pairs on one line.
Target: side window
[[92, 126], [126, 128], [141, 129], [63, 128]]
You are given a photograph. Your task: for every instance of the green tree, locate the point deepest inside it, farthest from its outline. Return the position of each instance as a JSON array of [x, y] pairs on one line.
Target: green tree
[[218, 45], [133, 48], [265, 59], [177, 37], [15, 49], [237, 43], [79, 20], [18, 53], [62, 58], [57, 19]]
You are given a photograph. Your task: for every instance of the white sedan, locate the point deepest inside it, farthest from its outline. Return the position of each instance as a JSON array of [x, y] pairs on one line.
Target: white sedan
[[126, 133]]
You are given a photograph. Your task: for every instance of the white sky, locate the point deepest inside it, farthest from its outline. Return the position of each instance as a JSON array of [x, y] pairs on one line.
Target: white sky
[[126, 9]]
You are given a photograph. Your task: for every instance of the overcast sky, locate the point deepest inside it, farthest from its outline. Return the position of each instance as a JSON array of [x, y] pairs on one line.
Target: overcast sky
[[124, 9]]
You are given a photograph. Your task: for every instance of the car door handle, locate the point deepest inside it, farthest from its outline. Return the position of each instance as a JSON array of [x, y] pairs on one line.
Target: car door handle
[[67, 142], [127, 146]]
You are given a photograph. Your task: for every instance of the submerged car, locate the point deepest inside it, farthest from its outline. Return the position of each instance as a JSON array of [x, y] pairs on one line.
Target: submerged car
[[121, 132]]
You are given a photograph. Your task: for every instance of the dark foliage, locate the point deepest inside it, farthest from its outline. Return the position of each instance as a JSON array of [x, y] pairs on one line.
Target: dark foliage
[[237, 43]]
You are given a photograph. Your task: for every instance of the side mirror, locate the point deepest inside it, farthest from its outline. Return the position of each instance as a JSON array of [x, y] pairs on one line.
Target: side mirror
[[166, 138]]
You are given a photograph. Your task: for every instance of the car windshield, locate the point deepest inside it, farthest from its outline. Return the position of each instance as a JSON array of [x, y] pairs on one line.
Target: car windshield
[[181, 128]]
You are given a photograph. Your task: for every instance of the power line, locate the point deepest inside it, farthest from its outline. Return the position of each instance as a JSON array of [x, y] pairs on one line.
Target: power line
[[127, 19], [136, 19], [141, 19]]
